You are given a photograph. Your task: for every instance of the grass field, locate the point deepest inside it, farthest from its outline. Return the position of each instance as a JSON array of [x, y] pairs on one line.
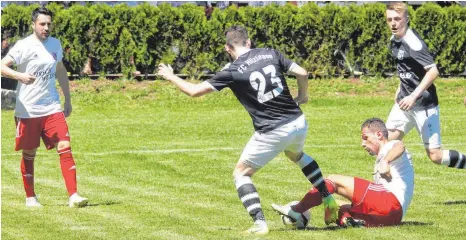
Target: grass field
[[156, 164]]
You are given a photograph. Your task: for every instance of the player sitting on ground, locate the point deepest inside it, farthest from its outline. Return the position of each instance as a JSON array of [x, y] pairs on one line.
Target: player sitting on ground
[[382, 202]]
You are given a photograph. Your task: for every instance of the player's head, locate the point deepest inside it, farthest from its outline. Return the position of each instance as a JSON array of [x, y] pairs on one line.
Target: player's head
[[237, 37], [373, 132], [5, 37], [397, 18], [42, 22]]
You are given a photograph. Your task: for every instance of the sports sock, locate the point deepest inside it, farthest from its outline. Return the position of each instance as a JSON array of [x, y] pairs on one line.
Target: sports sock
[[249, 197], [453, 159], [311, 170], [313, 198], [27, 171], [68, 169]]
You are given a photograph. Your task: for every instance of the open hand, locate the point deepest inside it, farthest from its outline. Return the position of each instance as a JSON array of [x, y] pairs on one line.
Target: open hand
[[407, 103], [165, 71]]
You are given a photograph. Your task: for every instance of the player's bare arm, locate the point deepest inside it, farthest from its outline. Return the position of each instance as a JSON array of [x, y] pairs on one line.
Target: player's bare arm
[[191, 89], [395, 153], [302, 78], [407, 102], [63, 80], [24, 78]]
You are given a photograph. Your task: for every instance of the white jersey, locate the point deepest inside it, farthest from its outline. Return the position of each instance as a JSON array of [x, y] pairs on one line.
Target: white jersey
[[402, 172], [39, 59]]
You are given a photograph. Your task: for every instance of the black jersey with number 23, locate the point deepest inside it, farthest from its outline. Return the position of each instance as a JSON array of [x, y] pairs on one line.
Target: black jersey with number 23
[[258, 82]]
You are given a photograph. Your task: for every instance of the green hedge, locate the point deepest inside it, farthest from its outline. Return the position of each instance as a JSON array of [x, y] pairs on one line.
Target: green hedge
[[183, 36]]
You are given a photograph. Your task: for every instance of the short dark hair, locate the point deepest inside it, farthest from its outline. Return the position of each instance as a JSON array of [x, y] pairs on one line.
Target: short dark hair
[[236, 36], [375, 124], [41, 10]]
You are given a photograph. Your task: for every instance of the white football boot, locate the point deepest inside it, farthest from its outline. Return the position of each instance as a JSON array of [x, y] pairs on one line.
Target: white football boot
[[287, 211], [77, 201], [259, 228], [32, 202]]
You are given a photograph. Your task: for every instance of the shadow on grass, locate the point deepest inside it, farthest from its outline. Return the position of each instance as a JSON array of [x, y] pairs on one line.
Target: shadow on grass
[[331, 228], [105, 203], [336, 228], [454, 202], [415, 223]]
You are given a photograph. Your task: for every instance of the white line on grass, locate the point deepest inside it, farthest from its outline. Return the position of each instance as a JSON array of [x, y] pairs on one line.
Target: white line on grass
[[183, 150]]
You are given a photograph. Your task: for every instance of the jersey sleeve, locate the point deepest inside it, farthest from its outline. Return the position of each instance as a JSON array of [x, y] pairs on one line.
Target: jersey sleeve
[[221, 79], [285, 64], [423, 57], [17, 52]]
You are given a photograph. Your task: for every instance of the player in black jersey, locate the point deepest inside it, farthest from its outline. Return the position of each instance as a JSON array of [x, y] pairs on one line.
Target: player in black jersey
[[257, 78], [416, 101]]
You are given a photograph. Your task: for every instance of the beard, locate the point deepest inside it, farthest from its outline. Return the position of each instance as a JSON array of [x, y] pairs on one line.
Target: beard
[[42, 36]]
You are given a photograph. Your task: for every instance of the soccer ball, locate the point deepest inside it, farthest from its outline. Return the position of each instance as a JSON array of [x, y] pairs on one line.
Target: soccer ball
[[301, 223]]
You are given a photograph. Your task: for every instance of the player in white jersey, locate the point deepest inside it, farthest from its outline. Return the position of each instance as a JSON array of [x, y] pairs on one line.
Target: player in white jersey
[[416, 101], [382, 202], [38, 112]]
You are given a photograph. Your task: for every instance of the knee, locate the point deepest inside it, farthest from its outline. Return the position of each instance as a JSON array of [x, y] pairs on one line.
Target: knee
[[30, 152], [394, 134], [293, 156], [62, 145], [435, 155], [238, 173], [243, 170]]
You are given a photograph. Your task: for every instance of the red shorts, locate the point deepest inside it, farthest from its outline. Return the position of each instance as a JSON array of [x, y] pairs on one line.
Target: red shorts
[[374, 204], [51, 128]]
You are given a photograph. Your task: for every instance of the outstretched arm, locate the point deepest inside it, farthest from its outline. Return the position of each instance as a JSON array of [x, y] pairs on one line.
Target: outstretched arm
[[302, 78], [191, 89], [63, 80]]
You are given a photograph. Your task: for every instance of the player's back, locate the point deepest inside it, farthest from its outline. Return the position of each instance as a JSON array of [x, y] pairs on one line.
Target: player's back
[[257, 78]]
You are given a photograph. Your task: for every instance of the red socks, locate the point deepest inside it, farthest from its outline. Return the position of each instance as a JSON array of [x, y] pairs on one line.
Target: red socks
[[68, 169], [313, 198], [27, 171]]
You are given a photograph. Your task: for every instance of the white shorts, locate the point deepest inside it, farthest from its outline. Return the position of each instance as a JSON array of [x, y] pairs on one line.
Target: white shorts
[[263, 147], [426, 121]]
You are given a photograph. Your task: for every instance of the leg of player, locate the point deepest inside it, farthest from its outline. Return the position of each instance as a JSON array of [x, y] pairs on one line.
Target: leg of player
[[395, 134], [68, 169], [345, 219], [429, 128], [342, 185], [27, 171], [311, 170], [248, 195], [450, 158]]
